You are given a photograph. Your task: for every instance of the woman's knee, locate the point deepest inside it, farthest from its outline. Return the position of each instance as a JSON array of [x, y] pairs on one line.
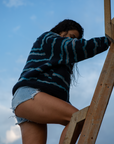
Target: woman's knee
[[68, 116]]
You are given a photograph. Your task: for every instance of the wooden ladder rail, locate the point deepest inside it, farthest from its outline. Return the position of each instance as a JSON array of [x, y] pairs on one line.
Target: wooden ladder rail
[[75, 126], [89, 124]]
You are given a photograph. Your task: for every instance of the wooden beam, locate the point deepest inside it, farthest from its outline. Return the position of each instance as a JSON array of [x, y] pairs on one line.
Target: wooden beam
[[112, 21], [75, 126], [92, 116], [99, 102], [112, 32], [109, 24], [107, 13], [103, 89]]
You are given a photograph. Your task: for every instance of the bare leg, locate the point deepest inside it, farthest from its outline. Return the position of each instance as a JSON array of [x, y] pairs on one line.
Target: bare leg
[[45, 109], [33, 133]]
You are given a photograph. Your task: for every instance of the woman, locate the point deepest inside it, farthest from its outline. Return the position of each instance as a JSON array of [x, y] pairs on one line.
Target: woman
[[41, 94]]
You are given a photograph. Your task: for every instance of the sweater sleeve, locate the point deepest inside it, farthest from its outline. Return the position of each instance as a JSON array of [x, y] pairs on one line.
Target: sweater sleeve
[[66, 50]]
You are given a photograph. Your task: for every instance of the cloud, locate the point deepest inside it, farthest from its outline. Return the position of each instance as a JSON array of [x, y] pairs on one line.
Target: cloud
[[9, 132], [3, 70], [13, 3], [54, 136], [21, 60], [33, 17], [13, 134], [81, 94], [51, 13], [15, 29], [6, 121], [99, 19]]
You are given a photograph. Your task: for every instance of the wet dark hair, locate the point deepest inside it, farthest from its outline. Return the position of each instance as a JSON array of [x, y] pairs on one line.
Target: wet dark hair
[[66, 25]]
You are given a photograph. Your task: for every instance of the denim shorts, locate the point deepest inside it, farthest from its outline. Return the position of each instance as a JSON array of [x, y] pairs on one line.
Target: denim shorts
[[21, 95]]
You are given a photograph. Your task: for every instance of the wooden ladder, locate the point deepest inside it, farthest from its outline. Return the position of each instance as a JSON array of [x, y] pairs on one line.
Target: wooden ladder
[[87, 121]]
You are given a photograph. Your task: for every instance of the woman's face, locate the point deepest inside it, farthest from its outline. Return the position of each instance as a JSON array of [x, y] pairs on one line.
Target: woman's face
[[70, 33]]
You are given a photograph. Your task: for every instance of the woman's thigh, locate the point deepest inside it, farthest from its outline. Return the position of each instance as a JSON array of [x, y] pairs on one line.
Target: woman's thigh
[[45, 108]]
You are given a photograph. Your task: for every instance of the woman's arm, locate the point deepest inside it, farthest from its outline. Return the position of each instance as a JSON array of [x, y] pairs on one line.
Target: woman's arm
[[67, 50]]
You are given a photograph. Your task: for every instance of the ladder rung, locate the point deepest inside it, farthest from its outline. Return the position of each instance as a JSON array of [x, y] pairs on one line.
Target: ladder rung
[[75, 125]]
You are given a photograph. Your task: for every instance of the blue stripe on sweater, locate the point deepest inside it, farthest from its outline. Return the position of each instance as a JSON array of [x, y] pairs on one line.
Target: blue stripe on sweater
[[44, 39], [23, 78], [37, 53], [84, 50], [62, 53], [46, 82], [35, 49], [96, 45], [53, 83], [67, 53], [32, 69], [74, 49], [62, 78], [48, 59], [52, 50]]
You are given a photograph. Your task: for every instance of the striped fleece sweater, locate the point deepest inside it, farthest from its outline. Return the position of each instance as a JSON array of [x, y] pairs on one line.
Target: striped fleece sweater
[[50, 62]]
